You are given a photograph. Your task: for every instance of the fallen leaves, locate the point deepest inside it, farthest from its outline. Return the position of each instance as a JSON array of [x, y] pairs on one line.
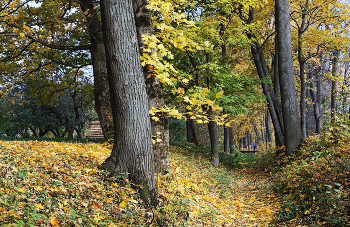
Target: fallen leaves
[[198, 194], [58, 184]]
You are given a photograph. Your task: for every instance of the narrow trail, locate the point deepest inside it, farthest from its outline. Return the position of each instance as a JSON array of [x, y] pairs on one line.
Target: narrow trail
[[216, 196]]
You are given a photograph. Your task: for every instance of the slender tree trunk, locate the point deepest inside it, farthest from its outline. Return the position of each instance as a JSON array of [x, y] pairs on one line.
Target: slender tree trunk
[[277, 89], [231, 140], [98, 57], [302, 63], [344, 105], [257, 135], [33, 131], [268, 128], [214, 160], [314, 98], [160, 128], [191, 132], [132, 152], [227, 140], [335, 61], [261, 67], [285, 66], [268, 93]]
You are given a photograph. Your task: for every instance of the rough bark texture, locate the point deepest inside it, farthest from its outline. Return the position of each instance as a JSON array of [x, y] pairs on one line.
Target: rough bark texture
[[190, 129], [214, 160], [160, 128], [285, 65], [98, 57], [132, 153], [335, 61]]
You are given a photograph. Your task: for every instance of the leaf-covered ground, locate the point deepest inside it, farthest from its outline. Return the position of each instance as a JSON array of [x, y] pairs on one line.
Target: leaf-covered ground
[[57, 184]]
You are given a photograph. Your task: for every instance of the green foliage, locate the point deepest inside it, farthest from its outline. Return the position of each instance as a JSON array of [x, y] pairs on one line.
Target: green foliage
[[177, 129]]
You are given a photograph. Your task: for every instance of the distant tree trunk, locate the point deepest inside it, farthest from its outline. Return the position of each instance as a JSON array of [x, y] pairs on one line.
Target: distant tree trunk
[[231, 140], [132, 153], [344, 105], [335, 61], [160, 128], [256, 134], [191, 132], [98, 57], [33, 129], [285, 67], [315, 96], [227, 140], [268, 127], [214, 143]]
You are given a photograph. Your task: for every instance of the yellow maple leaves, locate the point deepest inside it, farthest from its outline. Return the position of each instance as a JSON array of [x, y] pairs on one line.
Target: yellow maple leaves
[[39, 206], [54, 221]]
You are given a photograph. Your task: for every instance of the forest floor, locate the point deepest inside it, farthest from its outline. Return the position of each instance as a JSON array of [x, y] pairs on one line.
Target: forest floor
[[57, 184]]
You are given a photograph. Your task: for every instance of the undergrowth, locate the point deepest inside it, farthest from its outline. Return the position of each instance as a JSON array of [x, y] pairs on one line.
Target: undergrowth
[[314, 182]]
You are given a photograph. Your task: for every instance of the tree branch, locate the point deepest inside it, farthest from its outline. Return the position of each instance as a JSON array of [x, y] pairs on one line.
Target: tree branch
[[85, 47]]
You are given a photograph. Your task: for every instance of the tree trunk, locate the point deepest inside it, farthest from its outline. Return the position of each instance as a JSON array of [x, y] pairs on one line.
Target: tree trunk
[[132, 153], [232, 141], [33, 129], [285, 67], [268, 128], [98, 57], [335, 61], [214, 144], [344, 105], [315, 96], [160, 128], [191, 132], [302, 63], [227, 140], [268, 93]]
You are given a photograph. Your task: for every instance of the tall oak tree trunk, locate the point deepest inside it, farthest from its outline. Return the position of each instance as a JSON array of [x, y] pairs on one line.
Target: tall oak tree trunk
[[132, 153]]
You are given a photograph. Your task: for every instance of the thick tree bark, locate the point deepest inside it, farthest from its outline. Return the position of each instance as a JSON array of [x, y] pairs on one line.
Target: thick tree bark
[[285, 66], [160, 128], [98, 57], [214, 143], [132, 153], [335, 61], [190, 129]]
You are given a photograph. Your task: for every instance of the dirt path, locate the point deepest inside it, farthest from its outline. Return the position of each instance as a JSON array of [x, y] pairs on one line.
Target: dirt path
[[209, 196]]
